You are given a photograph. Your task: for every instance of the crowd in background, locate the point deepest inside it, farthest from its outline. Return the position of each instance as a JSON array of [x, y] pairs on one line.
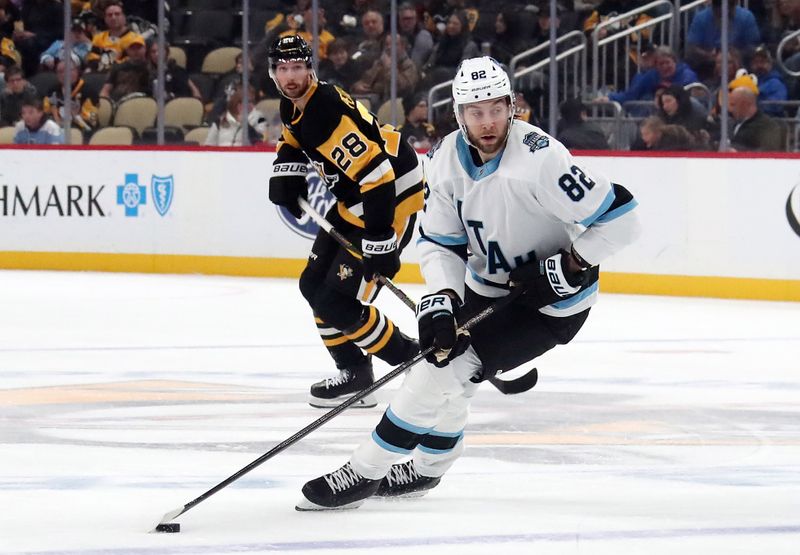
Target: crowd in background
[[114, 56]]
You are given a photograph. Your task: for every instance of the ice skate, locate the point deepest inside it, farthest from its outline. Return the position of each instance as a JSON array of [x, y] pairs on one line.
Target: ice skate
[[342, 489], [403, 481], [332, 392]]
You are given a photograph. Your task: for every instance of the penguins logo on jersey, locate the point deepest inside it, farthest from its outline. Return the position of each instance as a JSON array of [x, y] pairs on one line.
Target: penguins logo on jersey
[[535, 141], [793, 209]]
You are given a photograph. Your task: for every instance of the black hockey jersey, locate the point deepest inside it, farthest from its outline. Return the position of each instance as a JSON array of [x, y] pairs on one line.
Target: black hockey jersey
[[376, 177]]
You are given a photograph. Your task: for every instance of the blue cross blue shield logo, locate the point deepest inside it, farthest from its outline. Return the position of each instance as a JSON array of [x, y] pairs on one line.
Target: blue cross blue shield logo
[[162, 189], [131, 194]]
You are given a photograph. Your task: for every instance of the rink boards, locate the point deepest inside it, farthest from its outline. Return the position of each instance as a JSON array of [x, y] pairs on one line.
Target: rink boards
[[714, 225]]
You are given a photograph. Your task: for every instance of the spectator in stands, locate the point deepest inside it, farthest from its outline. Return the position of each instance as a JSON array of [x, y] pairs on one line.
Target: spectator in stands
[[783, 20], [377, 80], [455, 45], [81, 44], [770, 82], [676, 137], [734, 64], [305, 31], [109, 47], [346, 15], [668, 71], [17, 89], [227, 82], [370, 43], [84, 105], [227, 130], [703, 39], [438, 16], [541, 27], [338, 68], [649, 134], [35, 127], [9, 15], [524, 100], [754, 129], [130, 78], [574, 129], [420, 40], [508, 37], [675, 108], [417, 130], [43, 22], [176, 79]]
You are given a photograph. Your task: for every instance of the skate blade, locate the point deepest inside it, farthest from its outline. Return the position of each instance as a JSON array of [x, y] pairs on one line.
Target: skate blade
[[305, 505], [367, 402], [412, 495]]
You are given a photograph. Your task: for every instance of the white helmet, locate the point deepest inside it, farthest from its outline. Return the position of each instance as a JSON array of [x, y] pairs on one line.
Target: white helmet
[[479, 79]]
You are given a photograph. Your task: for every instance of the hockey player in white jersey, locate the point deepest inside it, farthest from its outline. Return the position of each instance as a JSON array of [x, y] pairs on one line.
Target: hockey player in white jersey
[[506, 207]]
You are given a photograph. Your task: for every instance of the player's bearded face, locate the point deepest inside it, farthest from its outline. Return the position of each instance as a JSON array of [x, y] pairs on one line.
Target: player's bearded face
[[293, 78], [487, 123]]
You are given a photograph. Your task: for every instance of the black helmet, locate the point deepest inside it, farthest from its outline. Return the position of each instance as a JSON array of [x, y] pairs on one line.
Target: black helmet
[[289, 49]]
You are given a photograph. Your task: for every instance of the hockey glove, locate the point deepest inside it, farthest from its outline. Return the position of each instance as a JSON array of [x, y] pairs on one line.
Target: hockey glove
[[547, 281], [381, 255], [436, 318], [288, 182]]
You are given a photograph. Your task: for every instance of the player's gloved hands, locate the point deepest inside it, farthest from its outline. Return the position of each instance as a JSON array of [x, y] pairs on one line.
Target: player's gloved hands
[[381, 255], [288, 182], [547, 281], [436, 318]]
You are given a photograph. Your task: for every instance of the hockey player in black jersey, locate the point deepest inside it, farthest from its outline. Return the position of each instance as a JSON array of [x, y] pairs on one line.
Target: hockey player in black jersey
[[377, 181]]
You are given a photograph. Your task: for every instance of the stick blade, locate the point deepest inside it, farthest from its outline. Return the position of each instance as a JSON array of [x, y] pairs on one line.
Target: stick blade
[[167, 518]]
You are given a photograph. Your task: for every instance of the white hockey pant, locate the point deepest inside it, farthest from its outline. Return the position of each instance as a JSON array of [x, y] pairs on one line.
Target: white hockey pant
[[426, 419]]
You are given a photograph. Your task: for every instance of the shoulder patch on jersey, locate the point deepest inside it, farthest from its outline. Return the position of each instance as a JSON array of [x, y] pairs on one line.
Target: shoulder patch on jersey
[[535, 141], [434, 148]]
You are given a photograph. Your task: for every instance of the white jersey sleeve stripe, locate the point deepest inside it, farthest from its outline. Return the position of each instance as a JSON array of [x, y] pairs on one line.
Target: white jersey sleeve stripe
[[617, 212], [444, 240], [607, 202]]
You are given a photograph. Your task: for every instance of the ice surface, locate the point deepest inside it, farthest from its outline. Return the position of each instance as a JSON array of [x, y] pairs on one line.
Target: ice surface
[[668, 426]]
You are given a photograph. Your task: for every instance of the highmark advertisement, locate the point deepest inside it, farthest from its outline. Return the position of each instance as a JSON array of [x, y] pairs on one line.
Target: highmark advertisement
[[726, 226]]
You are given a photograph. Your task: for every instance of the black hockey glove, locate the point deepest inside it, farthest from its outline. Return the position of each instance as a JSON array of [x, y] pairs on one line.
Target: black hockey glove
[[547, 281], [288, 182], [381, 255], [436, 317]]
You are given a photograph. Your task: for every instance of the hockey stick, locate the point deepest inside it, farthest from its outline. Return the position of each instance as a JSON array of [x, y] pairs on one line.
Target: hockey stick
[[510, 387], [481, 316]]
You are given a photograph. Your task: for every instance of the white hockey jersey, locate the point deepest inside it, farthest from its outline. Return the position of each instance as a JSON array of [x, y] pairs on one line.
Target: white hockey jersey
[[530, 200]]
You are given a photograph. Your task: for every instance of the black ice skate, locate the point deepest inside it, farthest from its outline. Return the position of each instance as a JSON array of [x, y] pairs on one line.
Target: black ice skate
[[342, 489], [403, 481], [332, 392]]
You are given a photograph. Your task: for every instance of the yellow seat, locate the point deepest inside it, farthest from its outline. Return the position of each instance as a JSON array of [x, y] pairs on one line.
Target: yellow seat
[[220, 60], [137, 113], [7, 135], [197, 135], [179, 55], [112, 136], [75, 136], [385, 112], [184, 113], [105, 111]]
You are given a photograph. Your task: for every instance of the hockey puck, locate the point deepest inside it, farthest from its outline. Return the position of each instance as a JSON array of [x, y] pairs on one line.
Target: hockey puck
[[169, 527]]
